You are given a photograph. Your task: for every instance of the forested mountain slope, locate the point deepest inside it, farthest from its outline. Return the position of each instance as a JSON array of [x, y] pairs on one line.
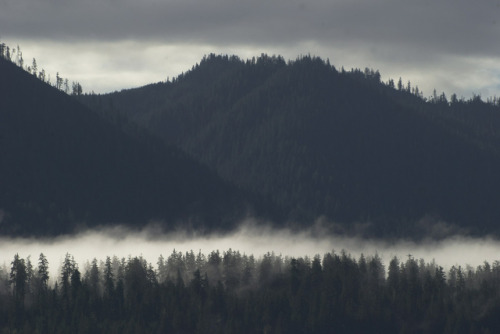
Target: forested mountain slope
[[323, 142], [62, 167]]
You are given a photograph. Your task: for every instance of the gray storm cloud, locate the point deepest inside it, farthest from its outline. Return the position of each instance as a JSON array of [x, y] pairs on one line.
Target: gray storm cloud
[[459, 26]]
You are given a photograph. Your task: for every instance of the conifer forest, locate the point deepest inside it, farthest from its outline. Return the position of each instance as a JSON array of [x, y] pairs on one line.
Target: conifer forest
[[230, 292]]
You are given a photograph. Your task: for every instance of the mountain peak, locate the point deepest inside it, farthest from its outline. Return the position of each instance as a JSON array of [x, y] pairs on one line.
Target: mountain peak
[[320, 142]]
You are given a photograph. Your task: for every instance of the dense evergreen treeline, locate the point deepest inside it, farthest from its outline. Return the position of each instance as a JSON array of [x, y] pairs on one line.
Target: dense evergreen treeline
[[230, 292], [325, 142]]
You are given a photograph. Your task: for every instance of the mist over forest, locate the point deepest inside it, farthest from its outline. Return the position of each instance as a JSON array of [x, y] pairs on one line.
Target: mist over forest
[[257, 195], [250, 238], [231, 290]]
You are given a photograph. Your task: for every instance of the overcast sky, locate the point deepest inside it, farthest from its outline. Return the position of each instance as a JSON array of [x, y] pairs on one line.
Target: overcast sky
[[107, 45]]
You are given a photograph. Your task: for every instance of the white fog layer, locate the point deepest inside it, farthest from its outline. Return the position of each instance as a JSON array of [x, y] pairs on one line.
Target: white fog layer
[[250, 240]]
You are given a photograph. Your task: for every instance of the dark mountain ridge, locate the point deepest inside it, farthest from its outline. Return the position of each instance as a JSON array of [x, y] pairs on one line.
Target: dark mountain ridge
[[64, 167], [322, 142]]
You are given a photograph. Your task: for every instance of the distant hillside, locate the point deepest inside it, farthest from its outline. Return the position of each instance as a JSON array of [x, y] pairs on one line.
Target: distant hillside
[[63, 167], [323, 142]]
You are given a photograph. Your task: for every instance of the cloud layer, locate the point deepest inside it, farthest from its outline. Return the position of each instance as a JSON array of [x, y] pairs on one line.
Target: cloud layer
[[457, 26], [452, 45]]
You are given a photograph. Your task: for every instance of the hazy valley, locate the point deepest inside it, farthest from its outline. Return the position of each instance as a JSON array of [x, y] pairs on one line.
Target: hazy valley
[[296, 163]]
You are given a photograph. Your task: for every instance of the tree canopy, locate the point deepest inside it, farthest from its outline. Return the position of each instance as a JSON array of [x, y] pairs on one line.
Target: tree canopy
[[228, 292]]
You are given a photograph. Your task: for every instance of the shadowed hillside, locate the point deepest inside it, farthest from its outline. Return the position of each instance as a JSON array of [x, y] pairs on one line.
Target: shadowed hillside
[[63, 167], [323, 142]]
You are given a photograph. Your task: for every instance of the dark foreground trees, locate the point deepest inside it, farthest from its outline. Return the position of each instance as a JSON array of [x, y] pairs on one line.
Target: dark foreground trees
[[231, 292]]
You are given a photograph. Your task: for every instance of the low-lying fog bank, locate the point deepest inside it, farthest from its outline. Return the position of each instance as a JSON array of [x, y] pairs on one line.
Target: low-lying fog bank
[[249, 239]]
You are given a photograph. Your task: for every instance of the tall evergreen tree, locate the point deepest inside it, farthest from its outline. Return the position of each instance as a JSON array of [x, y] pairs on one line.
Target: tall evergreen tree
[[18, 280], [43, 271]]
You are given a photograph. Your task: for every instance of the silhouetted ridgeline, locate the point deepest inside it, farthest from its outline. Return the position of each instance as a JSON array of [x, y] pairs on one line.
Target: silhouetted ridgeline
[[230, 292], [15, 56], [300, 137], [63, 167], [322, 142]]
